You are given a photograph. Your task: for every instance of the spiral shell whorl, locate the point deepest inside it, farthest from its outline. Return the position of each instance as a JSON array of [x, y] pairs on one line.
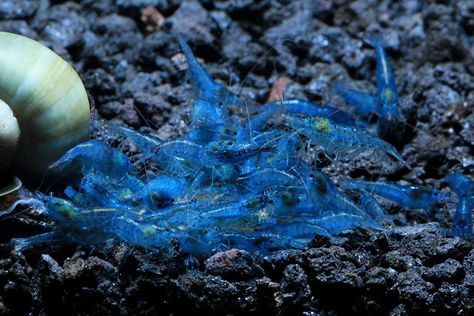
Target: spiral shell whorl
[[48, 99]]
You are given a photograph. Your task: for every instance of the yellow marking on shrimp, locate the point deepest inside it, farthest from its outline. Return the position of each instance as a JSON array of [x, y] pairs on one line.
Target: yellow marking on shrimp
[[148, 231], [387, 95], [322, 124]]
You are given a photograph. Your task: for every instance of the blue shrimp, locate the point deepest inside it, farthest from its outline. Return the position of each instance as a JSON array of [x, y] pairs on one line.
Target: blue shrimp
[[374, 209], [230, 152], [460, 184], [297, 228], [94, 156], [386, 87], [207, 122], [464, 189], [411, 196], [326, 198], [340, 222], [297, 106], [146, 143], [205, 88], [149, 236], [463, 218], [240, 208], [364, 103], [161, 191], [341, 140], [262, 242], [263, 179]]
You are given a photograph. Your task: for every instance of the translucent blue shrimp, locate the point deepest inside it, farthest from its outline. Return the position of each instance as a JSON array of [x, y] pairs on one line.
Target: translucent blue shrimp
[[463, 218], [364, 103], [231, 152], [374, 209], [239, 208], [207, 122], [464, 189], [341, 140], [460, 184], [161, 191], [326, 198], [411, 196], [297, 106], [263, 179], [340, 222], [205, 88], [387, 92], [94, 156], [385, 103], [148, 236], [146, 143], [297, 228]]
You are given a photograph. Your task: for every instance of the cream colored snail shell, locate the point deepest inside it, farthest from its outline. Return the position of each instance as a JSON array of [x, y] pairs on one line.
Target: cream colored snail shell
[[44, 108]]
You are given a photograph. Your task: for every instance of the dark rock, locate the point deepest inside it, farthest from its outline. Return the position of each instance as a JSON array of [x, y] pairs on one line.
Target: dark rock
[[465, 11], [468, 265], [124, 111], [62, 25], [14, 9], [207, 292], [18, 27], [51, 271], [101, 85], [92, 268], [192, 18], [413, 291], [233, 264], [294, 285], [448, 271], [444, 41], [333, 268]]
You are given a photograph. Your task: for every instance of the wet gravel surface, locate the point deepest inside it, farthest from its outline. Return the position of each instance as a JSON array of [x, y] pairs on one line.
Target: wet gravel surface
[[125, 53]]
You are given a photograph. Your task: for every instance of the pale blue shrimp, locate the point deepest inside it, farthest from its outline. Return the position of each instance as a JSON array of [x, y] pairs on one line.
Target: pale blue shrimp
[[411, 196], [94, 156], [342, 140], [205, 88]]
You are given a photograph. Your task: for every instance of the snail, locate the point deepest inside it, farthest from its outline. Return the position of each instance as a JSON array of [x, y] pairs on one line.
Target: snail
[[44, 107]]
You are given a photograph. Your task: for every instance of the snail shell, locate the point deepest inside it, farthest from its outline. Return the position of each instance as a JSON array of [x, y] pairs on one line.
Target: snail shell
[[49, 103]]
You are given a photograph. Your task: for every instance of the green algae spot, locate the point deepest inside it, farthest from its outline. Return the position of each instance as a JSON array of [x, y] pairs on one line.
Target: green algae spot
[[321, 124], [148, 231], [388, 95]]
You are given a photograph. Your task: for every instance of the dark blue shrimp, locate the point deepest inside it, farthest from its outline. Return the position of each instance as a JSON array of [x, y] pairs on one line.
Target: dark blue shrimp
[[205, 88], [411, 196]]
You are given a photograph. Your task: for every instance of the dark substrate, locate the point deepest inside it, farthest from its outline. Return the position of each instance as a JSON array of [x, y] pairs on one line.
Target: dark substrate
[[126, 65]]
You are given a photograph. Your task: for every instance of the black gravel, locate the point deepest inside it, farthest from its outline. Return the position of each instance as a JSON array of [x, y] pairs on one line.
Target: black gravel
[[128, 68]]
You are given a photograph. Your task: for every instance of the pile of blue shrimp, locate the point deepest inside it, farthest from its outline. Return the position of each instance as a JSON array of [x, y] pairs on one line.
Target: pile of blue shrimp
[[233, 182]]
